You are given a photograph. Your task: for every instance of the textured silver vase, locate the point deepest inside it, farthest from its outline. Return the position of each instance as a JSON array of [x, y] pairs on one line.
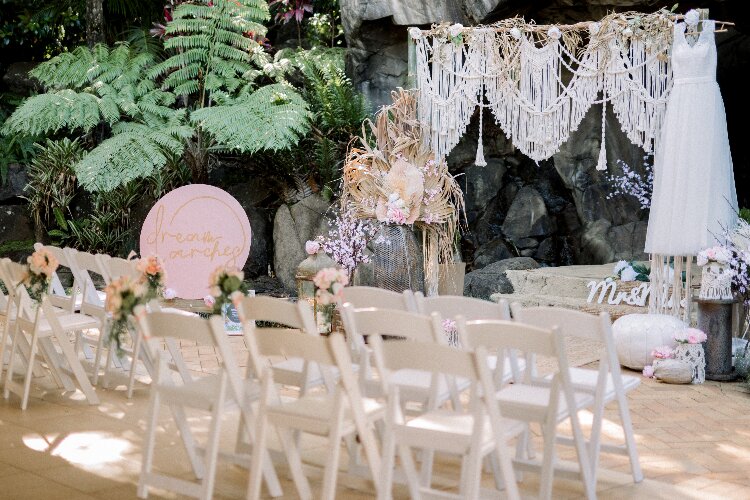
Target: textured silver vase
[[397, 259]]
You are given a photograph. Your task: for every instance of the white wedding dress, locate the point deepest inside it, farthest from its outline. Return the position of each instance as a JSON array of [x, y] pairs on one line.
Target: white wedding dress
[[694, 197]]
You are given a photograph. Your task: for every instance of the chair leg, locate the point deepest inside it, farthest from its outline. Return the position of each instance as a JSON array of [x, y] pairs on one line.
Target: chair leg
[[295, 463], [332, 462], [29, 374], [385, 490], [428, 459], [148, 446], [212, 449], [97, 358], [80, 375], [134, 364], [473, 474], [180, 419], [259, 452], [548, 460], [505, 464], [412, 479], [627, 427], [11, 360], [583, 458]]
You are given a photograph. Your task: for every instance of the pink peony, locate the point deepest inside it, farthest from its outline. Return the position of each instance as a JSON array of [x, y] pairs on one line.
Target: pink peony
[[312, 247], [648, 371]]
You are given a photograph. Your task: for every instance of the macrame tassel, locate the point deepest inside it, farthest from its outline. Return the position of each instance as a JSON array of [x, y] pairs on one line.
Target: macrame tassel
[[480, 161], [602, 163]]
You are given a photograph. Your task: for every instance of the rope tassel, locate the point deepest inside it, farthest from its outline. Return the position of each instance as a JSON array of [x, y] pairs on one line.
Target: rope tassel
[[602, 163], [480, 161]]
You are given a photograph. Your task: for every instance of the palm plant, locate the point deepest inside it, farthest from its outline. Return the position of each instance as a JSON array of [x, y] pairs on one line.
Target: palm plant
[[201, 100]]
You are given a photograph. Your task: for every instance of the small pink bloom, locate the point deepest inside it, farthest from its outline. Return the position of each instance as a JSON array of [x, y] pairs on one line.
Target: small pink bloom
[[312, 247], [209, 300], [648, 371], [692, 339]]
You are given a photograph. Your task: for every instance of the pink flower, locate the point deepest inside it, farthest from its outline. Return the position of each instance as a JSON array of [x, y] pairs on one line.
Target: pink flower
[[648, 371], [312, 247], [209, 300], [663, 352]]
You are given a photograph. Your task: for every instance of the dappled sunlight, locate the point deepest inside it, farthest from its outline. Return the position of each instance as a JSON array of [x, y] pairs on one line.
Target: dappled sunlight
[[734, 451], [83, 448]]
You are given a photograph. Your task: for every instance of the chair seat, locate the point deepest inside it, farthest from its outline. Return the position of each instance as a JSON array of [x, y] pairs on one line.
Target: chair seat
[[71, 322], [317, 410], [585, 379], [452, 431], [203, 392], [530, 402], [414, 385], [289, 371]]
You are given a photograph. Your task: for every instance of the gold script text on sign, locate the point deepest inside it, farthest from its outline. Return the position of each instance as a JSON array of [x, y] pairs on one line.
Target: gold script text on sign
[[193, 243]]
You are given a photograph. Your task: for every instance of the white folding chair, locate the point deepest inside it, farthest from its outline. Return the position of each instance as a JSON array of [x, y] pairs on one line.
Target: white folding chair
[[95, 345], [337, 414], [472, 433], [216, 394], [534, 400], [42, 326], [473, 309], [11, 275], [606, 384], [362, 297]]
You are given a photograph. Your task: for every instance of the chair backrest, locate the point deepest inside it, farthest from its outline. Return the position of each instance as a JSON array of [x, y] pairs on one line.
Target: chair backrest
[[394, 355], [500, 335], [375, 321], [572, 323], [12, 275], [160, 324], [88, 264], [362, 297], [472, 309], [117, 267], [274, 310]]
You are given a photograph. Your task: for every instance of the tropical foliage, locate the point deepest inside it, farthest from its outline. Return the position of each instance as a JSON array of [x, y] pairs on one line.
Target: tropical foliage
[[181, 108]]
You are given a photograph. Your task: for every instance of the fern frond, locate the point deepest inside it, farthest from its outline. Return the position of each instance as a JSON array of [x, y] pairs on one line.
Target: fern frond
[[272, 118], [65, 109], [136, 151]]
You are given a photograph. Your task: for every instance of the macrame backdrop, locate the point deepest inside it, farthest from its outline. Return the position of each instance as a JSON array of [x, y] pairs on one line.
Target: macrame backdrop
[[539, 81]]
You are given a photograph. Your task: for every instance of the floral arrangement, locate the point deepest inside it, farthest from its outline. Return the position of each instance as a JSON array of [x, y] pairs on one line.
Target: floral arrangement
[[630, 271], [398, 181], [123, 296], [663, 352], [329, 284], [719, 254], [227, 287], [631, 183], [346, 242], [153, 275], [41, 267], [690, 336]]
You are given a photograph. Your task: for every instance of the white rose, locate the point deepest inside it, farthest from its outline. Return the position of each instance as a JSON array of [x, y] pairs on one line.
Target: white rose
[[692, 17], [554, 33], [621, 264], [415, 33], [628, 274], [170, 293], [455, 30]]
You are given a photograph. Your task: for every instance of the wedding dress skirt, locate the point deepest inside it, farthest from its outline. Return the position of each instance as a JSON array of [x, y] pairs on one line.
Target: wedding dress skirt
[[694, 198]]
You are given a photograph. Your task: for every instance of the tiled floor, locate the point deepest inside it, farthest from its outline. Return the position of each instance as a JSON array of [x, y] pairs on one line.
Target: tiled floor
[[694, 442]]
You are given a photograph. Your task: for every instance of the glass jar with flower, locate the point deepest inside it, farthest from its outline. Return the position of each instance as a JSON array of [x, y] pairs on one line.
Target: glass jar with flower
[[329, 291], [690, 350], [227, 288], [123, 296], [153, 275]]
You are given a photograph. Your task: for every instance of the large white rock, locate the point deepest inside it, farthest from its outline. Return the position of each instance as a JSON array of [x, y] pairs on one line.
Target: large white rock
[[673, 371], [636, 335]]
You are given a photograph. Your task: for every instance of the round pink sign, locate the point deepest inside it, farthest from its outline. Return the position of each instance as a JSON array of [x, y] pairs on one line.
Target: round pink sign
[[195, 229]]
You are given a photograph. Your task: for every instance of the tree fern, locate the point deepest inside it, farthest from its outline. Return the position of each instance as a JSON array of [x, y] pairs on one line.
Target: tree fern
[[271, 118], [211, 49]]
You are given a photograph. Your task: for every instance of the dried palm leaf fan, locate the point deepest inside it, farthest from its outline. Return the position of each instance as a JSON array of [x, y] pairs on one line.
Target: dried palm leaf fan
[[392, 176]]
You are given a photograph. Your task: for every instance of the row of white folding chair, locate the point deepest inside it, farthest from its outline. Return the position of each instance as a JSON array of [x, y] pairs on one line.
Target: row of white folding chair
[[606, 384], [219, 395], [336, 413], [43, 325]]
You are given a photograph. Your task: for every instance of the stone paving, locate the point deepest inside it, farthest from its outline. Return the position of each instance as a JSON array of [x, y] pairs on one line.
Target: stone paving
[[694, 442]]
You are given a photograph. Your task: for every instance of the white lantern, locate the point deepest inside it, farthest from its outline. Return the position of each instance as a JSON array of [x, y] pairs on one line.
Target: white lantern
[[636, 335]]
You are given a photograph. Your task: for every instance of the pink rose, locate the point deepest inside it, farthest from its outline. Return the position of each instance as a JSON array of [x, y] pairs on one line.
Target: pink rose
[[648, 371], [692, 339], [312, 247], [209, 300]]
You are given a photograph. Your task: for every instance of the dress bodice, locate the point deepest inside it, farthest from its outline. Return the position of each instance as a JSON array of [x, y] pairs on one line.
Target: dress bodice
[[697, 60]]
